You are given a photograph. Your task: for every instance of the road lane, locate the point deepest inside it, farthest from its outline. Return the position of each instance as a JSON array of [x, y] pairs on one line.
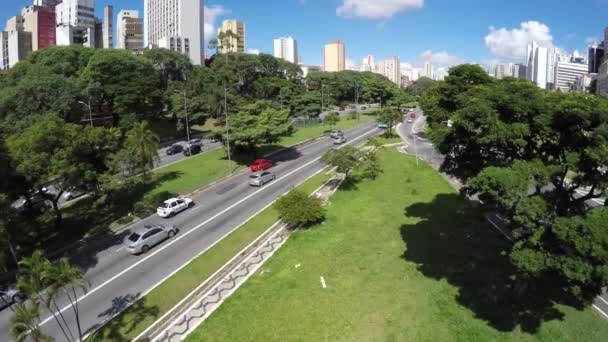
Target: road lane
[[108, 298]]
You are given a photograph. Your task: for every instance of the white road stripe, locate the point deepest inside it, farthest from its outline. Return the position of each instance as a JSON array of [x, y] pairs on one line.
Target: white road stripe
[[599, 310], [182, 236]]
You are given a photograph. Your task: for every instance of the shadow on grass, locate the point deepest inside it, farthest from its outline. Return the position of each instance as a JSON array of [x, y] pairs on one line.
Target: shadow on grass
[[87, 223], [117, 327], [453, 242]]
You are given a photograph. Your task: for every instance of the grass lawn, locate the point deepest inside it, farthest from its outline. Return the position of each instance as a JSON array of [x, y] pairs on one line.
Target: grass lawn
[[405, 258], [146, 310]]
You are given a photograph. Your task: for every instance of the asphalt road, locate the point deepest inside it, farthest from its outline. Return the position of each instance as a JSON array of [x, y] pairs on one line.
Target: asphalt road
[[165, 159], [118, 278], [418, 144]]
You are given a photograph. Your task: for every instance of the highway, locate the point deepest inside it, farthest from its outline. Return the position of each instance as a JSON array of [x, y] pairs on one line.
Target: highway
[[118, 278], [419, 145]]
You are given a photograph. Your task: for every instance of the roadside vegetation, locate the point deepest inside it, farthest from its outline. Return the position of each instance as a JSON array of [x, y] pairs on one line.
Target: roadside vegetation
[[416, 262]]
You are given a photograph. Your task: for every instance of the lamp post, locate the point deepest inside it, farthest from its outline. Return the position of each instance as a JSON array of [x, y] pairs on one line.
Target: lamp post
[[357, 100], [88, 105], [322, 86], [187, 120], [227, 126]]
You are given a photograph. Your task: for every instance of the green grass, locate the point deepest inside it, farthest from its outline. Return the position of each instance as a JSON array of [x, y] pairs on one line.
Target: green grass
[[405, 258], [146, 310]]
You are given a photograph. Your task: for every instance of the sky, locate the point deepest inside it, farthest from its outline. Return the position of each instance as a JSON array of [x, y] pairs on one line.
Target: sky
[[445, 32]]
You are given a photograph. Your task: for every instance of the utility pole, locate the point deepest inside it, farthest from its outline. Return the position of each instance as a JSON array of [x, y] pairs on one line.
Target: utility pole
[[227, 128], [187, 120], [88, 105]]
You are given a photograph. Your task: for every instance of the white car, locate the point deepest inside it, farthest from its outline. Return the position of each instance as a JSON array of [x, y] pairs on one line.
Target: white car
[[339, 140], [173, 206]]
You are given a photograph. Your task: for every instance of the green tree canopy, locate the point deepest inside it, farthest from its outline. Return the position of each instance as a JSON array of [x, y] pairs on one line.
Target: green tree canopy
[[298, 209]]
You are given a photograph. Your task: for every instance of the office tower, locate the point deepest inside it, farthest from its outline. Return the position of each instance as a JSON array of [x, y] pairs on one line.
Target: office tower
[[538, 65], [391, 69], [48, 4], [554, 56], [177, 25], [518, 71], [567, 75], [16, 42], [596, 54], [76, 22], [40, 21], [108, 27], [335, 56], [286, 48], [130, 31], [427, 70], [234, 44]]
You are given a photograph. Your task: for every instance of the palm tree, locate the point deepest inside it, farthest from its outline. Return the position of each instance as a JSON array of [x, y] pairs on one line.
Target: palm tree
[[143, 145], [25, 324], [69, 278]]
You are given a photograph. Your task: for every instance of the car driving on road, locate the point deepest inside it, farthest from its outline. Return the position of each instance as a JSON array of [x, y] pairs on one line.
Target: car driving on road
[[336, 133], [260, 165], [192, 150], [173, 206], [141, 240], [174, 149], [261, 178], [339, 140], [8, 296]]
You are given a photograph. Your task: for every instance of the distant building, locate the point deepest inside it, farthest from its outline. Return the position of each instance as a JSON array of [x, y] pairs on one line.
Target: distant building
[[537, 68], [4, 63], [518, 71], [177, 27], [583, 84], [286, 48], [391, 69], [108, 27], [130, 31], [76, 22], [427, 70], [596, 55], [567, 75], [16, 42], [40, 21], [334, 56], [237, 44], [367, 64], [306, 69], [405, 81], [47, 4]]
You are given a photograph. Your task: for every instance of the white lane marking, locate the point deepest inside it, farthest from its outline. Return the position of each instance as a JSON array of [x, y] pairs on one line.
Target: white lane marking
[[184, 235], [599, 310], [499, 229], [118, 250], [602, 299], [596, 200]]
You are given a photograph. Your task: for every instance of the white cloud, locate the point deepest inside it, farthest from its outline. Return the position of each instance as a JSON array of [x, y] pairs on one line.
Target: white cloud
[[253, 51], [513, 43], [375, 9], [440, 59], [591, 40], [211, 15]]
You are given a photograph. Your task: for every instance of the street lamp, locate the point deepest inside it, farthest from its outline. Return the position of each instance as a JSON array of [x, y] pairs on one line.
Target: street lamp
[[240, 82], [90, 111], [187, 120], [357, 99]]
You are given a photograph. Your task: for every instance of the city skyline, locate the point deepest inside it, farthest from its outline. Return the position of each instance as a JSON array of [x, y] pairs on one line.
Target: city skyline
[[494, 34]]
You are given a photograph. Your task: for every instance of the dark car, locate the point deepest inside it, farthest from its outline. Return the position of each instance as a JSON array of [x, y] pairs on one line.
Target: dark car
[[174, 149], [192, 150]]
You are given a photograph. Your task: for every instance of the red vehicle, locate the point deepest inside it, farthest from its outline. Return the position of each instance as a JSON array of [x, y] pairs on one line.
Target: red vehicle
[[260, 165]]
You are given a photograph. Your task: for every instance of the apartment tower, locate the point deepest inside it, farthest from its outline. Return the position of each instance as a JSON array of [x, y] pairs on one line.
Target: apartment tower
[[286, 48], [334, 56], [235, 44], [130, 31]]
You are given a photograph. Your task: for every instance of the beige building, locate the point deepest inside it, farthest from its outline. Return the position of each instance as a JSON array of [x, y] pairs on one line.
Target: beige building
[[16, 42], [130, 31], [236, 44], [334, 56], [391, 69]]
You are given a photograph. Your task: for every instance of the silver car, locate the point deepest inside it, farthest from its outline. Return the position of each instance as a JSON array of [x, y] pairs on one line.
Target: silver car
[[261, 178], [339, 140], [8, 296], [141, 240]]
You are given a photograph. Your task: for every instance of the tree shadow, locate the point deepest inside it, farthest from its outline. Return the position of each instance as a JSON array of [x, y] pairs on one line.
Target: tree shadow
[[118, 323], [276, 153], [453, 242]]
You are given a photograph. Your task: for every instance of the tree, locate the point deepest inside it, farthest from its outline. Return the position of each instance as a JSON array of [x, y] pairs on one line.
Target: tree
[[331, 120], [298, 209], [371, 166], [25, 324], [344, 159], [390, 116], [142, 144], [258, 124], [420, 86], [67, 279], [172, 66]]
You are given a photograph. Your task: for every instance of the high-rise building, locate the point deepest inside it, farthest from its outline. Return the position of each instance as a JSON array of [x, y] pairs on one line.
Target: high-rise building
[[567, 75], [596, 55], [391, 69], [554, 56], [48, 4], [427, 70], [108, 27], [177, 25], [538, 65], [130, 31], [286, 48], [518, 71], [4, 64], [236, 43], [16, 42], [367, 64], [76, 22], [40, 21], [334, 56]]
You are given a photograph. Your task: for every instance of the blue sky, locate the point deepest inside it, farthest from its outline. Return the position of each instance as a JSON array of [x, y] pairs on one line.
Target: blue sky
[[443, 31]]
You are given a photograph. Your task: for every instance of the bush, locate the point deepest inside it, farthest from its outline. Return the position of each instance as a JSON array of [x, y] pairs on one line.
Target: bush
[[297, 208]]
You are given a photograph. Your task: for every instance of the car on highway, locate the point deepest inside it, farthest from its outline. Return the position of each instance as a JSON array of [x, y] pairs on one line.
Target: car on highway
[[198, 142], [172, 206], [174, 149], [336, 133], [73, 192], [141, 240], [382, 124], [192, 150], [260, 165], [8, 296], [261, 178], [339, 140]]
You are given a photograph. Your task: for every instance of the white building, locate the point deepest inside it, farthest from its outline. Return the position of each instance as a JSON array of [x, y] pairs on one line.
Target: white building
[[16, 43], [414, 74], [286, 48], [75, 22], [108, 27], [567, 75], [391, 69], [306, 69], [427, 70], [367, 64], [537, 69], [177, 25]]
